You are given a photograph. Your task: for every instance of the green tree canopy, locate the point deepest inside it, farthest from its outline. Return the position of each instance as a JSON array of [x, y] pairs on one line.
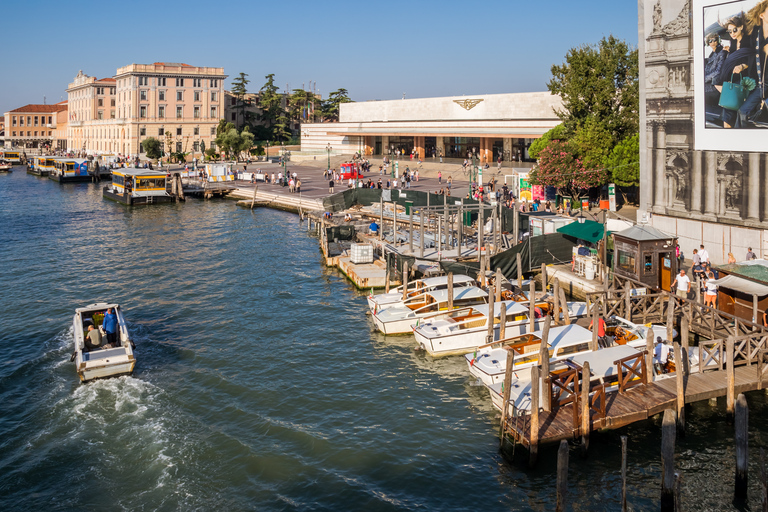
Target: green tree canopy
[[152, 147], [330, 107], [270, 101], [556, 133], [559, 166], [599, 82], [624, 161], [239, 90]]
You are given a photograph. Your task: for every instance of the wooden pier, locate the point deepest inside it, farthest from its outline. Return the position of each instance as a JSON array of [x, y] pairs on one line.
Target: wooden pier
[[574, 404]]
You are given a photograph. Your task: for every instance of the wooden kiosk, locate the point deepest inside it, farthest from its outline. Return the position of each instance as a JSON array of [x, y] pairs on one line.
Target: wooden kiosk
[[647, 255]]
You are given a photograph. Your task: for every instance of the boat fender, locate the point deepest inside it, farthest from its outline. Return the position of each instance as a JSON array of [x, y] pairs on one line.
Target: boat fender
[[133, 345], [74, 355]]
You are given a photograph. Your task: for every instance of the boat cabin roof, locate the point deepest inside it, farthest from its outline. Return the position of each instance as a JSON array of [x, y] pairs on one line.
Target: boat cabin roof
[[469, 292], [139, 173], [440, 280], [96, 306], [566, 335], [601, 362]]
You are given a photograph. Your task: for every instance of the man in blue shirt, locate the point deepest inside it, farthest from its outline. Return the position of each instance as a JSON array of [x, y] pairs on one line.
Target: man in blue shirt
[[374, 228], [110, 327]]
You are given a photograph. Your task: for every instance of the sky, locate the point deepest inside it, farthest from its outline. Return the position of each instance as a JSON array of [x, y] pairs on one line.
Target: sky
[[374, 50]]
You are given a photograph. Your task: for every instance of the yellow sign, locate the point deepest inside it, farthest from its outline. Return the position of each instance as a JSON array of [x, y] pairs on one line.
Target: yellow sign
[[467, 104]]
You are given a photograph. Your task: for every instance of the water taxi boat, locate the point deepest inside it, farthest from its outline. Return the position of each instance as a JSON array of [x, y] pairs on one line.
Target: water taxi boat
[[603, 372], [42, 165], [96, 363], [70, 170], [137, 186], [402, 318], [6, 166], [15, 157], [382, 301]]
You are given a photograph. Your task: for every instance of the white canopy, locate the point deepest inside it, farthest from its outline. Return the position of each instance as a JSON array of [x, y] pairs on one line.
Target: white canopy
[[741, 285]]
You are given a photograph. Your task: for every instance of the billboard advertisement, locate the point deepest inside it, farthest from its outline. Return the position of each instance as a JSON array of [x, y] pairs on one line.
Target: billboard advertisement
[[730, 61]]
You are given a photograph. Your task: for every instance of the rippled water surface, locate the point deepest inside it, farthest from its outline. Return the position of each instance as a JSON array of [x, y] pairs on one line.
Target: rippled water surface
[[260, 383]]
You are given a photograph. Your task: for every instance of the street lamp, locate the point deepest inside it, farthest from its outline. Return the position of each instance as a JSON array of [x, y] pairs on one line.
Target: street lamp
[[267, 158], [285, 167], [392, 164], [328, 150]]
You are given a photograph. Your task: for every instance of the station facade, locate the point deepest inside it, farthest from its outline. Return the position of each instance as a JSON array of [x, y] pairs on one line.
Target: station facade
[[489, 127]]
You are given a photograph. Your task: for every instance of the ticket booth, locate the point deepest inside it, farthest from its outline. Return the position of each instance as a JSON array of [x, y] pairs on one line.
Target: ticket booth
[[645, 254]]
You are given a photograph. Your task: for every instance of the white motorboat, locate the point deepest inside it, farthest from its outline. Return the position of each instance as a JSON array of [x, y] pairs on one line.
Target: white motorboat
[[489, 362], [5, 166], [107, 361], [460, 331], [602, 366], [402, 318], [383, 301]]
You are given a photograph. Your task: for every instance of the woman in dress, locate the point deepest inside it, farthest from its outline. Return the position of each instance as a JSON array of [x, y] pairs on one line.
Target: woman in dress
[[737, 64]]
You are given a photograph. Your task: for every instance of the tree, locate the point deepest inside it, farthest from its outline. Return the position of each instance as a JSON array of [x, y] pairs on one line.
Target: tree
[[239, 91], [301, 105], [152, 148], [282, 128], [592, 143], [556, 133], [599, 82], [624, 162], [270, 101], [559, 166], [330, 108]]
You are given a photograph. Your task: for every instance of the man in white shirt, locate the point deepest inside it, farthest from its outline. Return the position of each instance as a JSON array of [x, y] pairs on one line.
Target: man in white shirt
[[660, 355], [703, 254], [683, 284]]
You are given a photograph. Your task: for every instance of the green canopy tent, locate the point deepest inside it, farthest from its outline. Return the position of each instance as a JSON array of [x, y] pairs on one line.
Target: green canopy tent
[[589, 231]]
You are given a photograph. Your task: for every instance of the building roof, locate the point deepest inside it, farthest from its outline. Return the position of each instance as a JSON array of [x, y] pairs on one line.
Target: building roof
[[57, 107], [741, 285], [756, 270], [179, 64], [105, 80], [643, 232]]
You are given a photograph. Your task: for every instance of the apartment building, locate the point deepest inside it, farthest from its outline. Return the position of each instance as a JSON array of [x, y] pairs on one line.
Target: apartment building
[[114, 115], [33, 126]]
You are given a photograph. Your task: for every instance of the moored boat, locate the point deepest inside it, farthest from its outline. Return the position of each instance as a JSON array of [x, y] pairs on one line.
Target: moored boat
[[132, 186], [5, 166], [402, 318], [383, 301], [103, 361]]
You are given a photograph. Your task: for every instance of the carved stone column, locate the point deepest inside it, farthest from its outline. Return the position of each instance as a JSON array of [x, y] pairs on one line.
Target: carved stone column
[[696, 191], [648, 174], [710, 183], [753, 192], [660, 167]]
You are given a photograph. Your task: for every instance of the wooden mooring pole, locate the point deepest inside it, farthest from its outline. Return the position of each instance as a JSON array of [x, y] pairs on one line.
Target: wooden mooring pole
[[731, 376], [405, 279], [544, 277], [387, 278], [506, 392], [533, 449], [623, 473], [503, 322], [680, 384], [741, 438], [498, 284], [564, 306], [649, 354], [532, 306], [585, 420], [491, 318], [562, 476], [595, 324], [556, 300], [519, 260], [544, 361], [670, 317], [450, 291], [668, 430]]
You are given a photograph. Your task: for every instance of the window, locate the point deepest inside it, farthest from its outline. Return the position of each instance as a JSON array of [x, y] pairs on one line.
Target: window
[[50, 120], [100, 114], [178, 131], [213, 96], [626, 261], [35, 133], [161, 95], [648, 263], [196, 146], [143, 131], [14, 120], [197, 112], [213, 112], [196, 130], [29, 120], [112, 114], [214, 83], [21, 120], [161, 81], [14, 134], [29, 134], [161, 111], [179, 112], [234, 116], [197, 82], [50, 133], [143, 80], [112, 103], [36, 120], [233, 101], [178, 147], [213, 130], [142, 95], [179, 82], [197, 95], [160, 131], [101, 102], [213, 145], [143, 111], [111, 90], [179, 95]]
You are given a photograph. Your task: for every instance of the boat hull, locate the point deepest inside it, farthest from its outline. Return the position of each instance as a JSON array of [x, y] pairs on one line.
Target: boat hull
[[103, 372], [466, 341]]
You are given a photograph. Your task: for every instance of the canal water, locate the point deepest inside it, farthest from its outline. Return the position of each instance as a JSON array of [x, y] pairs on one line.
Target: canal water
[[260, 382]]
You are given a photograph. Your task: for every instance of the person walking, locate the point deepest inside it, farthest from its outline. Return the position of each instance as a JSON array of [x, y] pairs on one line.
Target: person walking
[[683, 283], [439, 177], [330, 186]]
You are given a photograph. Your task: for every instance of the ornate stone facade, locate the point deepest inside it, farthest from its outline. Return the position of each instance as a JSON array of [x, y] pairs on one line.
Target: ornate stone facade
[[677, 181]]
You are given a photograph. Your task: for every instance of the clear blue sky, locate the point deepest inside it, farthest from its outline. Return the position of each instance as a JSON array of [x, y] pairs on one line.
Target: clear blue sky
[[375, 50]]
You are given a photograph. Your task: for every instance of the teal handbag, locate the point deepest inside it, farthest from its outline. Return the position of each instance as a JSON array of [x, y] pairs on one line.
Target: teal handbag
[[733, 95]]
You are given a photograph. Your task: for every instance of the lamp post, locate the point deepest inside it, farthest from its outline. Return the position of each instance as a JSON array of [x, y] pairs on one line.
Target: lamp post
[[285, 167], [392, 164], [267, 152], [328, 150]]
